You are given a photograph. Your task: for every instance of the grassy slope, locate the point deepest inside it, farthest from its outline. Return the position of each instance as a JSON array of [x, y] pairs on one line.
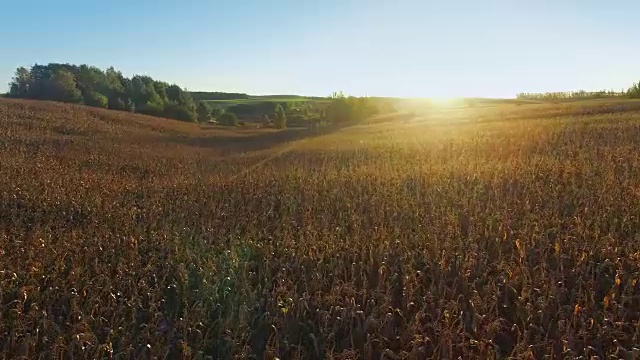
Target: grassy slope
[[510, 229]]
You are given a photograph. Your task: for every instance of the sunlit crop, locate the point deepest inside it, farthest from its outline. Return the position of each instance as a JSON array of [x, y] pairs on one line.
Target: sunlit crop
[[508, 231]]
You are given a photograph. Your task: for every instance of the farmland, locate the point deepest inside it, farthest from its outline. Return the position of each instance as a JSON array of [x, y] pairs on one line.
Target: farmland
[[492, 232], [253, 100]]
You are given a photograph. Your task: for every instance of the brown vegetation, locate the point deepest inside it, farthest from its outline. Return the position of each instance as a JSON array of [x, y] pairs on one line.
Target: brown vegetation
[[514, 234]]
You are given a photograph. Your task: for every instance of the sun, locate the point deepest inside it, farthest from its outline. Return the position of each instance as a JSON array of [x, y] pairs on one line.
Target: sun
[[444, 101]]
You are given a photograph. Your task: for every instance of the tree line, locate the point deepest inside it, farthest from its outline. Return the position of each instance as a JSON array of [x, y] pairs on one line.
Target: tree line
[[216, 95], [107, 89], [634, 91], [631, 92], [110, 89]]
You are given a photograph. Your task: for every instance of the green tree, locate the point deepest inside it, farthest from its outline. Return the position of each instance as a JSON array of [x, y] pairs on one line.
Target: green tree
[[94, 98], [203, 111], [281, 117], [142, 91], [153, 106], [176, 94], [216, 112], [229, 119], [634, 91], [21, 84], [180, 112], [62, 87], [338, 111], [180, 104], [90, 78], [115, 81], [344, 110], [95, 87], [161, 89], [130, 106], [116, 103]]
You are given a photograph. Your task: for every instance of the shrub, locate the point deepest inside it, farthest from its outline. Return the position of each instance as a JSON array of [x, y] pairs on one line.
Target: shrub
[[281, 118], [229, 119], [94, 98], [203, 111], [350, 110], [116, 103], [179, 112]]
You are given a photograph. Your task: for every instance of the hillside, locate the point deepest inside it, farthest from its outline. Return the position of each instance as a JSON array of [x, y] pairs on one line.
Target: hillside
[[484, 232], [221, 96]]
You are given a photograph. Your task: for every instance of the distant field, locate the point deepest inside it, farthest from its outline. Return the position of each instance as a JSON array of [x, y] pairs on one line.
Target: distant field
[[259, 99], [491, 232], [399, 102]]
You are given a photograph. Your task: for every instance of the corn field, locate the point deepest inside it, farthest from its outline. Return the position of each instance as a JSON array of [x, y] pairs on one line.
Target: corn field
[[506, 232]]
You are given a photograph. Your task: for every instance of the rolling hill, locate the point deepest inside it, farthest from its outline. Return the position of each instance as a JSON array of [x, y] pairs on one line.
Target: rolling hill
[[483, 232]]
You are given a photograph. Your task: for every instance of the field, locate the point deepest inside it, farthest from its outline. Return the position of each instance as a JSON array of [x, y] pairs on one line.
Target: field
[[506, 231], [253, 100]]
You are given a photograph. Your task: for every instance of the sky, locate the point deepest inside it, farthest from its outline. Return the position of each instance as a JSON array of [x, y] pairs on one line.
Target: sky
[[404, 48]]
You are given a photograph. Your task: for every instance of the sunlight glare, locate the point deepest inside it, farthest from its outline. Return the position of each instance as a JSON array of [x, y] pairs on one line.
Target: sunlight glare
[[444, 101]]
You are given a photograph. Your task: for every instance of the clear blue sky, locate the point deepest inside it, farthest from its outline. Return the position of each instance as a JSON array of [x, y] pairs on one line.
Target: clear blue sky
[[414, 48]]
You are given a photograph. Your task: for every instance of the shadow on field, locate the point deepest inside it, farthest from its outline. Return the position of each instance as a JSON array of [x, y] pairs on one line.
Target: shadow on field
[[258, 140]]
